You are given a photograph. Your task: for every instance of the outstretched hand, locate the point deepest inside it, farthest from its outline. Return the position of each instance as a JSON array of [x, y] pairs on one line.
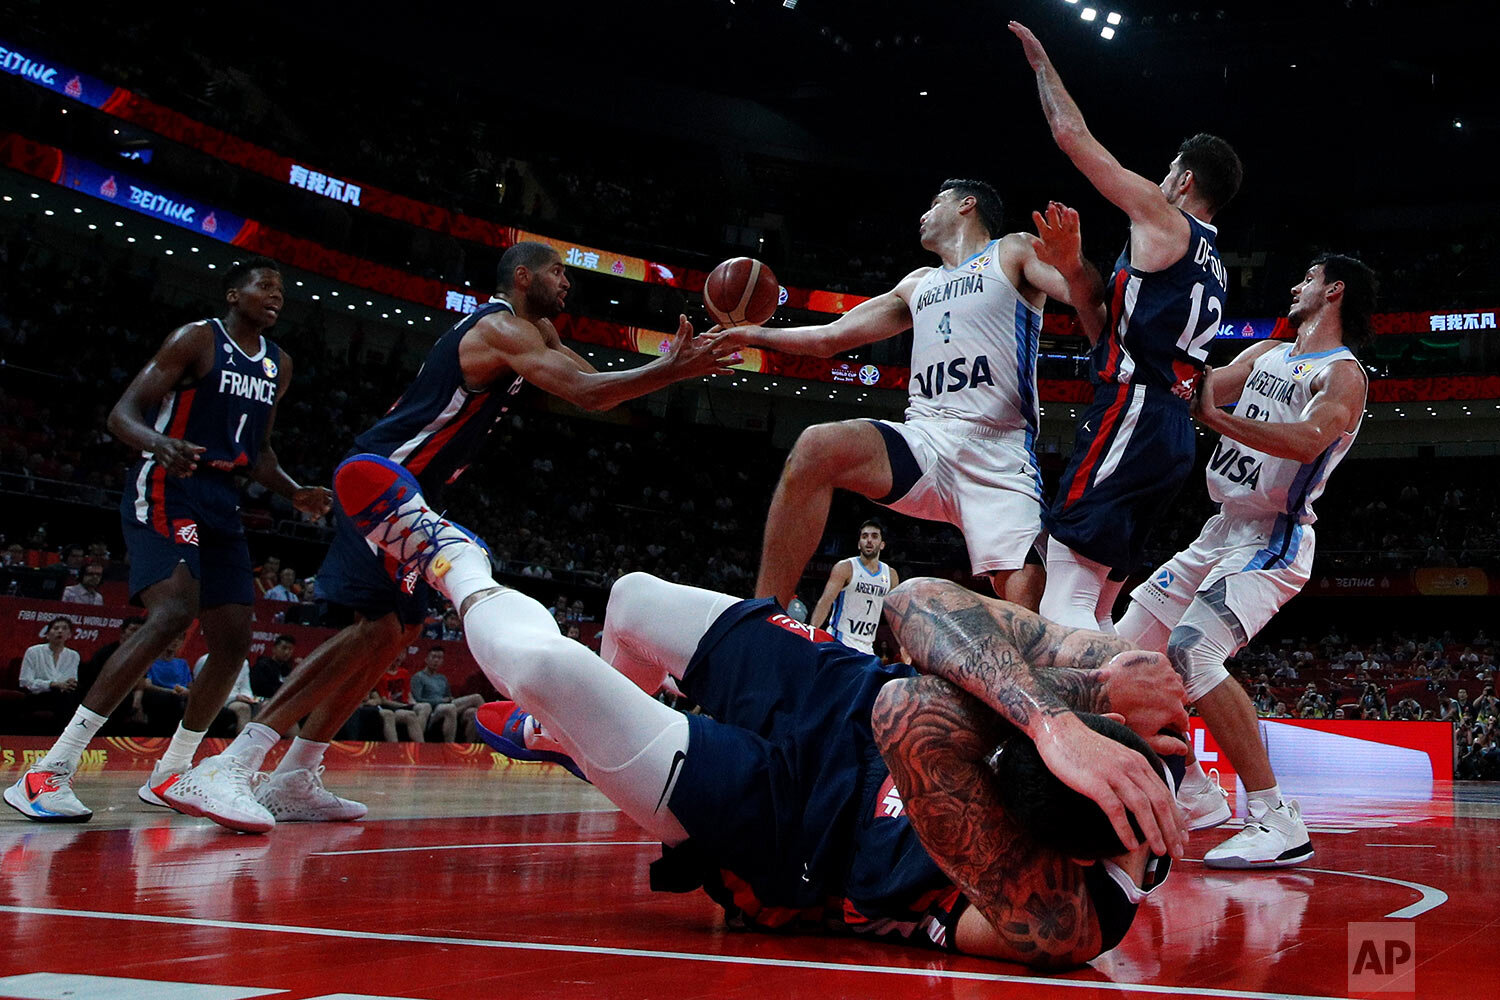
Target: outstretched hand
[[695, 356], [1120, 780], [313, 500], [733, 339], [1035, 54], [1058, 242]]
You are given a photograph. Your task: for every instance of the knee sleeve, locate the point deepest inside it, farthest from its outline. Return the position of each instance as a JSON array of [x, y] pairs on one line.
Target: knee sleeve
[[1208, 634], [1074, 584], [653, 627], [1142, 629]]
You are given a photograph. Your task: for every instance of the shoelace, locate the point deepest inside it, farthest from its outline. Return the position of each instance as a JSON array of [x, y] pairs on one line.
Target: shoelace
[[427, 524]]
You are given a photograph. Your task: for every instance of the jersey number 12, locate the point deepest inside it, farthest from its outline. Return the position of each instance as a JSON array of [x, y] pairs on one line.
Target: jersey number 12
[[1194, 342]]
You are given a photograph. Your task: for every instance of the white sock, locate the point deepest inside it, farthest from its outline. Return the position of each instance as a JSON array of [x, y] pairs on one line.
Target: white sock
[[252, 745], [468, 573], [1270, 796], [302, 754], [74, 739], [179, 755]]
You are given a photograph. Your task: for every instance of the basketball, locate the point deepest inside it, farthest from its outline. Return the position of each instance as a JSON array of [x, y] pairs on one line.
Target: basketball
[[741, 292]]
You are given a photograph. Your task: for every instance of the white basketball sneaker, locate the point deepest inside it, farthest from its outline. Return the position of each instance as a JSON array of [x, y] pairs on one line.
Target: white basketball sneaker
[[219, 788], [1203, 801], [45, 793], [1272, 838], [161, 778], [299, 797]]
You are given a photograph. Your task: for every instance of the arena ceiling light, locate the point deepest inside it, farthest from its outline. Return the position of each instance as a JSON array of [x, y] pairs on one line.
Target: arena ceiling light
[[1088, 13]]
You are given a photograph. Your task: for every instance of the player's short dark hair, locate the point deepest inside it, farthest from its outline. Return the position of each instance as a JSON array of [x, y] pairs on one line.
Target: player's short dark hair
[[436, 649], [528, 254], [986, 201], [1360, 289], [287, 638], [237, 275], [60, 618], [871, 522], [1054, 814], [1216, 168]]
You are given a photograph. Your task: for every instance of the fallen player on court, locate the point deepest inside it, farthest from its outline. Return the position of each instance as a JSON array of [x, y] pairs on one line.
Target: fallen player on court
[[974, 808]]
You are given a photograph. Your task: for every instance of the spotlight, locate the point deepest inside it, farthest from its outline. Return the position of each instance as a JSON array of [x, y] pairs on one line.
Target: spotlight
[[1113, 18], [1106, 33]]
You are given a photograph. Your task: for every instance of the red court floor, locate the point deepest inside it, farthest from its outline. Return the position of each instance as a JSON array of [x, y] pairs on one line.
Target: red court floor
[[464, 883]]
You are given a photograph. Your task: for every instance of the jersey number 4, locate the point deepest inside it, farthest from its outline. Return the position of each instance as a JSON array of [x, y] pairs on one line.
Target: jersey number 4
[[945, 328], [1194, 341]]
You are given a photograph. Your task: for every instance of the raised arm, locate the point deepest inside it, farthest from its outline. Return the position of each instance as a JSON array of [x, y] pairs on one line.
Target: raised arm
[[1032, 904], [1035, 674], [837, 581], [185, 355], [874, 319], [1159, 233], [505, 341], [313, 500], [1335, 406]]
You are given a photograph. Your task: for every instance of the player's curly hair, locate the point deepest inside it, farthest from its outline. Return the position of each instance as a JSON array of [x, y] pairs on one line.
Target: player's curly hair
[[240, 273], [1054, 814]]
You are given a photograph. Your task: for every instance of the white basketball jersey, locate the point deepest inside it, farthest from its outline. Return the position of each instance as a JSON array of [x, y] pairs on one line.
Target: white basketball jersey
[[974, 345], [856, 611], [1279, 390]]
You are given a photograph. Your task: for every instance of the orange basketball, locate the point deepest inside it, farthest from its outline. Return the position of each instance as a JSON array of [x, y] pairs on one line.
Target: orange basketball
[[741, 292]]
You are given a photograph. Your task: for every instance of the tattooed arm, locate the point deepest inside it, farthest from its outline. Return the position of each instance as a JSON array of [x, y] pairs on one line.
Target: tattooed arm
[[1035, 674], [1030, 904]]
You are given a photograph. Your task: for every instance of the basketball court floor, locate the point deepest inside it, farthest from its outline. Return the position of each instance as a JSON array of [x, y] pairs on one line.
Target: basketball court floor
[[523, 882]]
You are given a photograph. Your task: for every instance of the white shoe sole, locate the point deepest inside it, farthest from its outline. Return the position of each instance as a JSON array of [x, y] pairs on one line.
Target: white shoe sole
[[1287, 859], [237, 823], [1209, 820], [17, 800]]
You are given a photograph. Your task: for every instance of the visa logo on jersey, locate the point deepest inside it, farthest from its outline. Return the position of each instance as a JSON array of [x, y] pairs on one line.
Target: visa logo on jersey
[[952, 376]]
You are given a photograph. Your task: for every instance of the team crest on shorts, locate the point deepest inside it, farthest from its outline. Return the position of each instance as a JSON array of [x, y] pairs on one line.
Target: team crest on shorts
[[1165, 579], [269, 366], [185, 532]]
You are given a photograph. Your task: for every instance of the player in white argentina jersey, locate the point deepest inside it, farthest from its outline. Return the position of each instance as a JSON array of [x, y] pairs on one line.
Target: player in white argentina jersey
[[1297, 409], [855, 594], [965, 453]]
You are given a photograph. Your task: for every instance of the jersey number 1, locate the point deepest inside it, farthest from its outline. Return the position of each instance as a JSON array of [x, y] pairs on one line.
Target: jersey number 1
[[1194, 342], [241, 428]]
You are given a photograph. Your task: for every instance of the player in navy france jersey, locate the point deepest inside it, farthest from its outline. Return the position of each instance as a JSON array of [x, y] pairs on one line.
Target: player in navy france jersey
[[434, 431], [199, 412], [1160, 312]]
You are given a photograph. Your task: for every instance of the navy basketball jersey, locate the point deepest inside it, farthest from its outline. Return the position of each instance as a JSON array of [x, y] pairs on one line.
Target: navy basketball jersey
[[1161, 323], [228, 409], [438, 424]]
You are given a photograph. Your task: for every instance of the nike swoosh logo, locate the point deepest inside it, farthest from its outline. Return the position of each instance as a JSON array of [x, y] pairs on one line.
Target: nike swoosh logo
[[677, 759]]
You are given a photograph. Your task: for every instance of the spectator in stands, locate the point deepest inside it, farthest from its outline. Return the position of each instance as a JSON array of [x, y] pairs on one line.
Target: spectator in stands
[[99, 553], [73, 560], [1280, 712], [239, 707], [49, 672], [1465, 710], [448, 627], [1312, 705], [86, 590], [1486, 704], [166, 687], [430, 685], [89, 672], [395, 708], [15, 555], [286, 588], [270, 671], [267, 575], [1372, 703]]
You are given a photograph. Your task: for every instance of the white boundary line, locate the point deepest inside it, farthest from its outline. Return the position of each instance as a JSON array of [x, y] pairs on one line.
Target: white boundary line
[[679, 956], [472, 847], [1431, 898]]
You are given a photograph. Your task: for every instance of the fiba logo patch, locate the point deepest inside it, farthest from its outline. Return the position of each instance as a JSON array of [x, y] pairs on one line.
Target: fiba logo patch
[[186, 532], [1165, 579], [269, 366], [1301, 369], [781, 295], [869, 374], [979, 263], [888, 802]]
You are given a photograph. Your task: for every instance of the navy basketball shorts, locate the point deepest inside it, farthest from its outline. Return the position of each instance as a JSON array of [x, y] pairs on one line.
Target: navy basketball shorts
[[1132, 453], [169, 521], [360, 578]]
